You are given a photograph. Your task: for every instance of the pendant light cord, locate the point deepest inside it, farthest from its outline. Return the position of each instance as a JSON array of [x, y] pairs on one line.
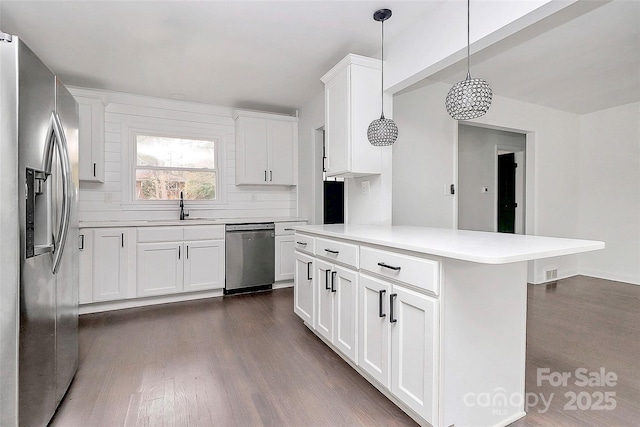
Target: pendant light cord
[[468, 40], [382, 78]]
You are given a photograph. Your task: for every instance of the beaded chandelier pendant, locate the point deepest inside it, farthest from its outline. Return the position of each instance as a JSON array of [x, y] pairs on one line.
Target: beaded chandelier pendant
[[470, 98], [382, 131]]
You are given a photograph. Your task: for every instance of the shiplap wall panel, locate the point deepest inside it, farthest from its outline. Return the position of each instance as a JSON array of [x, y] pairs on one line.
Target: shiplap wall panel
[[105, 201]]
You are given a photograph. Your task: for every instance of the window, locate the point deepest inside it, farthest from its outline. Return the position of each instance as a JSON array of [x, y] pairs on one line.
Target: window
[[167, 166]]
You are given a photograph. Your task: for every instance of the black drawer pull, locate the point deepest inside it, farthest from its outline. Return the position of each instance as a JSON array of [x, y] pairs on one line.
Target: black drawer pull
[[333, 279], [302, 243], [326, 280], [288, 229], [309, 270], [392, 297], [381, 295], [390, 267], [331, 251]]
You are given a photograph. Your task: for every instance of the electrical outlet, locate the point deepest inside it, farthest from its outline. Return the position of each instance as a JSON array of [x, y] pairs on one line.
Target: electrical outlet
[[254, 198], [551, 274], [366, 187]]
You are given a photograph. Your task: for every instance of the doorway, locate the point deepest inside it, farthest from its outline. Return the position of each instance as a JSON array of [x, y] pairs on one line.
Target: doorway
[[329, 192], [491, 180]]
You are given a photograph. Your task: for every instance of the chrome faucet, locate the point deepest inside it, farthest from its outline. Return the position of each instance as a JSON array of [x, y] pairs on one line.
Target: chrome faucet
[[182, 214]]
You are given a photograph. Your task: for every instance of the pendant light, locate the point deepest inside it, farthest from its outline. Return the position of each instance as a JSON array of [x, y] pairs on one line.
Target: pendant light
[[382, 131], [470, 98]]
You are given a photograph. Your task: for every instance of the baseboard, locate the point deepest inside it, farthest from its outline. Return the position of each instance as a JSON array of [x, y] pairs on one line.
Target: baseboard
[[99, 307]]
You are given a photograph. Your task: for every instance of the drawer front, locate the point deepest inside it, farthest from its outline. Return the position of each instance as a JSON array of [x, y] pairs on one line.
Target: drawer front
[[345, 253], [303, 243], [160, 234], [204, 232], [420, 272], [285, 228]]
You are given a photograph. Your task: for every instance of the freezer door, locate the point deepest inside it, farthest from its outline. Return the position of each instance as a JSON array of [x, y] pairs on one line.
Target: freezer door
[[67, 275], [36, 95]]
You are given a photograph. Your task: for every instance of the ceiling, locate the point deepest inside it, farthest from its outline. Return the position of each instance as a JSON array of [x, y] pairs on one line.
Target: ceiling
[[270, 55], [263, 55], [583, 59]]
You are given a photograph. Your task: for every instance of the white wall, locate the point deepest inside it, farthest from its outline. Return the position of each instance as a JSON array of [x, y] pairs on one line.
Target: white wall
[[311, 118], [424, 163], [610, 192], [107, 201], [423, 158]]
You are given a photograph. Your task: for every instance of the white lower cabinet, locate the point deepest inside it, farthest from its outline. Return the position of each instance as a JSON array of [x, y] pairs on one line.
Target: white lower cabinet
[[336, 319], [284, 268], [414, 345], [374, 329], [111, 265], [172, 267], [398, 342], [388, 327], [303, 292], [160, 268], [204, 265]]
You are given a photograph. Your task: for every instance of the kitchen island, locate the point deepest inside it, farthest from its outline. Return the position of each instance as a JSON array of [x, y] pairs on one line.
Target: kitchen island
[[434, 318]]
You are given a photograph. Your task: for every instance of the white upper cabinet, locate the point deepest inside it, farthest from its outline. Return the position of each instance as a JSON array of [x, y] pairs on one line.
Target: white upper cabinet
[[90, 136], [352, 101], [266, 149]]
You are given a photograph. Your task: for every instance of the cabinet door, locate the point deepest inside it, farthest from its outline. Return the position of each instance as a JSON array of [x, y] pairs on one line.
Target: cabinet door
[[374, 328], [303, 288], [160, 268], [203, 265], [324, 299], [337, 110], [281, 142], [85, 268], [91, 139], [251, 151], [284, 258], [414, 344], [345, 321], [110, 264]]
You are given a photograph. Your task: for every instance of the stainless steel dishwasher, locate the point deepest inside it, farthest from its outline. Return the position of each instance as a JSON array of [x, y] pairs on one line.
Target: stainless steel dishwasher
[[250, 257]]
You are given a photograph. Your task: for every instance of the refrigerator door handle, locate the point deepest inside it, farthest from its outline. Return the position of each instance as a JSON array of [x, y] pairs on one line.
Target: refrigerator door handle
[[56, 140]]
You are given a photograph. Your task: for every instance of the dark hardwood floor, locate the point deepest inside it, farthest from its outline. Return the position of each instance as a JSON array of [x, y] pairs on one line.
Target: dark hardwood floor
[[249, 360]]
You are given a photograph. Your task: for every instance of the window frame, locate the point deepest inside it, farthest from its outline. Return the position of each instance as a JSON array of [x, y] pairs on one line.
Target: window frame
[[134, 161], [171, 129]]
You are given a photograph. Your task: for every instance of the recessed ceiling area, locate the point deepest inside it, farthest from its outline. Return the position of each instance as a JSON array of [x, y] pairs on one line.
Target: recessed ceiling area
[[270, 55], [576, 64]]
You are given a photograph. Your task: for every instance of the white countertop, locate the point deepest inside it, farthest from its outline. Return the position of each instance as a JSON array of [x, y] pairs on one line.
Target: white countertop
[[476, 246], [186, 222]]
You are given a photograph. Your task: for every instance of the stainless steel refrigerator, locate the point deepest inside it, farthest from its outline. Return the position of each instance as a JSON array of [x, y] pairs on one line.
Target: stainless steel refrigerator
[[38, 237]]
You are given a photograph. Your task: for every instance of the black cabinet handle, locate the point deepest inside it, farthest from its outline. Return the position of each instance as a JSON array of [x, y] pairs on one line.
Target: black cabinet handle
[[381, 298], [302, 243], [288, 229], [81, 242], [331, 251], [265, 176], [178, 252], [326, 279], [270, 175], [94, 169], [333, 279], [390, 267], [122, 240], [309, 271], [392, 297], [187, 251]]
